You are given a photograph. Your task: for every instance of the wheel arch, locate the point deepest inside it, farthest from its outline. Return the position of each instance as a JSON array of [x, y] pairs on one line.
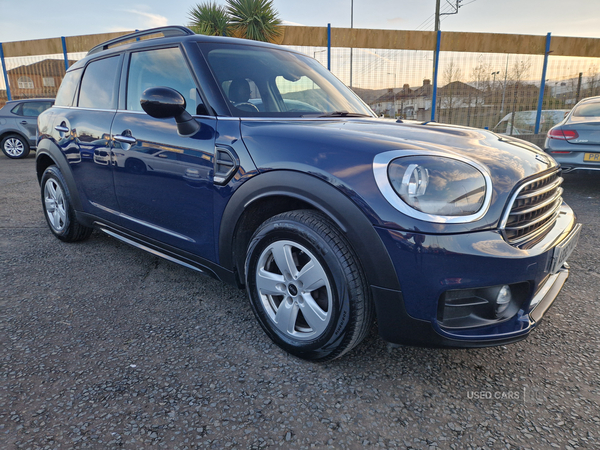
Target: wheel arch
[[10, 131], [272, 193], [48, 154]]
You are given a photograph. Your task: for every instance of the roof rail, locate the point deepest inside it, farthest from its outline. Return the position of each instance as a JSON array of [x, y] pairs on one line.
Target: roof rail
[[172, 30]]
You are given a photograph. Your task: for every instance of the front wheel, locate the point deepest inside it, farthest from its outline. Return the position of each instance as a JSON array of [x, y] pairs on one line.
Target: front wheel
[[15, 146], [58, 208], [306, 286]]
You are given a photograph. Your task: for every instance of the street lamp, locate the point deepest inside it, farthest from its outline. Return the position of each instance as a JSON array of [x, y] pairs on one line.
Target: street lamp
[[394, 91], [494, 74]]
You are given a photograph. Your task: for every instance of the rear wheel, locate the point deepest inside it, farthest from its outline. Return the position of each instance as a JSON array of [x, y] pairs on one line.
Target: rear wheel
[[15, 146], [58, 209], [306, 286]]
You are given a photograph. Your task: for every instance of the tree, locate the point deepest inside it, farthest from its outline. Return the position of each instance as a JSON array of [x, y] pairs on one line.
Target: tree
[[449, 98], [249, 19], [517, 75], [254, 19], [210, 19], [481, 79]]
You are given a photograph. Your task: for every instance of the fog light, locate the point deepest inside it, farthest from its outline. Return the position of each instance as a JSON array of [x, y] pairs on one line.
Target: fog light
[[468, 308], [503, 299]]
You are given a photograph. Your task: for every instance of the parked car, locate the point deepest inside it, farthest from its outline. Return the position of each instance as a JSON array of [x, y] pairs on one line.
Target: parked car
[[327, 215], [575, 141], [18, 124], [523, 122]]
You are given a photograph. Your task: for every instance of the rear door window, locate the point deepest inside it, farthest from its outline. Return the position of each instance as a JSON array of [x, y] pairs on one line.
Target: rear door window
[[34, 109], [98, 88]]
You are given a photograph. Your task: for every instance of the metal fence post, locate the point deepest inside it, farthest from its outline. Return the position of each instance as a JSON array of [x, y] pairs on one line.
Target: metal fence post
[[538, 116], [436, 64], [8, 96], [64, 46], [329, 46]]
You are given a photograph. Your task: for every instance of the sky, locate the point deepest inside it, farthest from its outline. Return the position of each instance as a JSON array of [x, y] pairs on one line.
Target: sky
[[39, 19]]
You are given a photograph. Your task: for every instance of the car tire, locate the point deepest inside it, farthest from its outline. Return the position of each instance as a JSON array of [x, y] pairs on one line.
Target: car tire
[[58, 208], [306, 286], [15, 146]]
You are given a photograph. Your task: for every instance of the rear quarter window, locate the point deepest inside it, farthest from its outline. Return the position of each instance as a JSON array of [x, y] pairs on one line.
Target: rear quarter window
[[66, 92]]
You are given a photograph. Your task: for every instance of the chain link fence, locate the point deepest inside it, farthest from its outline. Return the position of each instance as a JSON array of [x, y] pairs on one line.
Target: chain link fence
[[498, 91]]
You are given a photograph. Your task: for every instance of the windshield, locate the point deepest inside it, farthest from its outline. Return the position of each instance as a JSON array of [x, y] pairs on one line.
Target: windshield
[[265, 82]]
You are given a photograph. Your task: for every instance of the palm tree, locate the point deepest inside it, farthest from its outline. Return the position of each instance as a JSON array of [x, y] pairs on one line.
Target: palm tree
[[254, 19], [248, 19], [210, 19]]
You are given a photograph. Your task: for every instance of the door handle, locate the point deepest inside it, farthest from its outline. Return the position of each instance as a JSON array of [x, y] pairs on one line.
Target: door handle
[[125, 139], [24, 122], [61, 129]]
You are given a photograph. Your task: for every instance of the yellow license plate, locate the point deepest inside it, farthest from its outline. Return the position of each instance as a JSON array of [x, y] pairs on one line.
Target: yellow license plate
[[592, 157]]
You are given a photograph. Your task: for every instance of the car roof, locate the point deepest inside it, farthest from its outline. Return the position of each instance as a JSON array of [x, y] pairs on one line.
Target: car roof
[[589, 100]]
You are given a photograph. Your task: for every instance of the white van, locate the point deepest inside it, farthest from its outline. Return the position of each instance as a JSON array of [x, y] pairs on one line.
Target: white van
[[524, 122]]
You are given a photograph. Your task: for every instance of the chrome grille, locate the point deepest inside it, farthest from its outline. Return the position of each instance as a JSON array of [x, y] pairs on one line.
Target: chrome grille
[[533, 211]]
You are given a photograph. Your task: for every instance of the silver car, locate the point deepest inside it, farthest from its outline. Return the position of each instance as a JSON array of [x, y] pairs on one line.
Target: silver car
[[575, 141], [18, 125]]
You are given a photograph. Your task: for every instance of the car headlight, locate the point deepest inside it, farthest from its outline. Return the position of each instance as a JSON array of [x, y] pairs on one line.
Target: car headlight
[[433, 186]]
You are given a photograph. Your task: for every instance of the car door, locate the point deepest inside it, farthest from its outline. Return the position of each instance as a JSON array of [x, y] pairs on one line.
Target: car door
[[84, 135], [27, 120], [164, 181]]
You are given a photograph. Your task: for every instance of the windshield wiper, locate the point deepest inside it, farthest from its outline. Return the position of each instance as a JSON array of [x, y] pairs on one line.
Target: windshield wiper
[[338, 114]]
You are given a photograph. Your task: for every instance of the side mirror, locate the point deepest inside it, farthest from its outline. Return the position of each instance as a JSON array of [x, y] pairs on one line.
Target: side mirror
[[166, 103]]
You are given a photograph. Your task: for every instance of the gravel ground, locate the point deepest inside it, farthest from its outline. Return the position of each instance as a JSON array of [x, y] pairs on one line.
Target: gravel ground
[[105, 347]]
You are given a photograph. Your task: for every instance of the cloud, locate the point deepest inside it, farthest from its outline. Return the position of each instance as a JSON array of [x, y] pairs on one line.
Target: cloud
[[151, 20], [395, 20], [288, 23], [119, 28]]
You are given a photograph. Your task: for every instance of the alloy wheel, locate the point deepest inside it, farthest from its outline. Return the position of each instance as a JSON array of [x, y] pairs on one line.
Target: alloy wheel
[[14, 147], [56, 210], [294, 289]]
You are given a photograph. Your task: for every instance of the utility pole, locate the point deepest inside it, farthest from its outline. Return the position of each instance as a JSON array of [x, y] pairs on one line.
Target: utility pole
[[578, 88], [437, 29]]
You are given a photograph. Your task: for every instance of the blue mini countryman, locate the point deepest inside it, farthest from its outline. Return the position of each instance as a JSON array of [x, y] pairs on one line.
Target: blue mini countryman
[[253, 164]]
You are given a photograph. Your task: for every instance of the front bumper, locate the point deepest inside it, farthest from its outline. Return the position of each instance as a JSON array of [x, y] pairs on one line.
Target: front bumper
[[428, 266]]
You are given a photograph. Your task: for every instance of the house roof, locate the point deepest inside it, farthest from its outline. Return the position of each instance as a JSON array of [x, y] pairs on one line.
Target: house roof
[[459, 88], [389, 96], [47, 67]]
